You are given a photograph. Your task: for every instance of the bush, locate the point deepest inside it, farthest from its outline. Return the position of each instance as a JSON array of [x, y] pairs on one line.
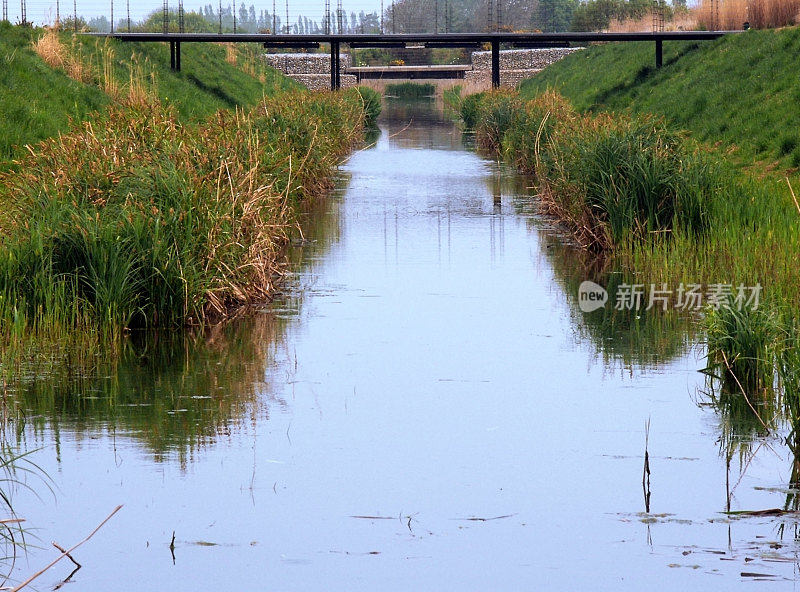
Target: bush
[[470, 109], [743, 348], [608, 177]]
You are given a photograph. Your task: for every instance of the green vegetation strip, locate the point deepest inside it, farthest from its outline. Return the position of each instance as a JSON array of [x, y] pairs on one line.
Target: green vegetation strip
[[44, 94], [740, 91], [137, 220], [667, 211], [410, 90]]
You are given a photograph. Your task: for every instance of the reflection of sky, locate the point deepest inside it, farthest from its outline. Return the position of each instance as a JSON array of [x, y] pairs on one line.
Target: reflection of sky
[[44, 11]]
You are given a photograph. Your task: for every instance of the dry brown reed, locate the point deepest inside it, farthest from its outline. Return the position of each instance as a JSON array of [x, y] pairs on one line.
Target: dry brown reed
[[760, 14]]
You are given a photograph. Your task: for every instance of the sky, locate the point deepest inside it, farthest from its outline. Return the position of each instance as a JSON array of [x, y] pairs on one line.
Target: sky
[[42, 12]]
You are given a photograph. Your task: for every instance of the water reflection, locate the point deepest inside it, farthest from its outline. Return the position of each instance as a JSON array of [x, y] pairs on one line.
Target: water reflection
[[422, 406], [170, 392]]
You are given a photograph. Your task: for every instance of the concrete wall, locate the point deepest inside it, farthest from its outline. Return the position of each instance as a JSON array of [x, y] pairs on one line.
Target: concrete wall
[[515, 65], [314, 69], [521, 59], [305, 63]]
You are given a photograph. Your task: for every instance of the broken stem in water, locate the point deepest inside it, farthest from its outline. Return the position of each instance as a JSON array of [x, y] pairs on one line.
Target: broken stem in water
[[66, 553], [646, 469]]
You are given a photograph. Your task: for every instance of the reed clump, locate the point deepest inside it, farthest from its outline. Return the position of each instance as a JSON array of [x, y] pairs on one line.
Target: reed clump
[[646, 197], [610, 178], [743, 349], [137, 220], [70, 59], [760, 14], [411, 90]]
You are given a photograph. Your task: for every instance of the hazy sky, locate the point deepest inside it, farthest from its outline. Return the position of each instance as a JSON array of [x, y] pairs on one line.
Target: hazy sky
[[44, 11]]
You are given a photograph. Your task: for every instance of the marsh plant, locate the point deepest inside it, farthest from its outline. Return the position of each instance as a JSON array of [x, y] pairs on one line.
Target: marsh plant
[[610, 179], [142, 221], [744, 348], [411, 90]]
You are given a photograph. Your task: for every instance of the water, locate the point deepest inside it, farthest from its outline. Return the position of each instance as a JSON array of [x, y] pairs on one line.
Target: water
[[424, 408]]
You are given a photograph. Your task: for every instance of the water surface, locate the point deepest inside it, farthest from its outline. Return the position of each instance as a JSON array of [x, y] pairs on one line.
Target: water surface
[[424, 408]]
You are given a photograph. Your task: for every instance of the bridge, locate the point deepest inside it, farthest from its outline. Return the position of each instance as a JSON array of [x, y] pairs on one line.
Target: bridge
[[437, 40]]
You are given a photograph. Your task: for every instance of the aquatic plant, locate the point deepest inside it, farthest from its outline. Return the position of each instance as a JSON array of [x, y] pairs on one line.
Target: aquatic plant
[[611, 179], [371, 100], [470, 110], [411, 90], [743, 349], [142, 221]]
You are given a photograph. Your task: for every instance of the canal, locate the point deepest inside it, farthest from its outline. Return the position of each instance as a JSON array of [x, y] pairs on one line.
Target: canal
[[424, 407]]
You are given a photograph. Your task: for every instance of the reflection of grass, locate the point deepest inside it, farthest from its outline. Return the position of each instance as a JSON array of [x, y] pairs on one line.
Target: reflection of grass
[[630, 337], [173, 392]]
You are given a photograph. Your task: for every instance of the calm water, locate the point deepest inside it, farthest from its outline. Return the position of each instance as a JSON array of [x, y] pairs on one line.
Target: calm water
[[425, 408]]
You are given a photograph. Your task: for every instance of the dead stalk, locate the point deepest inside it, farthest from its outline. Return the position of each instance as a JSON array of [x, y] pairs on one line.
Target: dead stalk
[[67, 552]]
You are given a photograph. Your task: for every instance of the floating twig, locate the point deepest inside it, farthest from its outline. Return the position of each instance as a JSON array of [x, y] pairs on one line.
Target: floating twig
[[65, 552]]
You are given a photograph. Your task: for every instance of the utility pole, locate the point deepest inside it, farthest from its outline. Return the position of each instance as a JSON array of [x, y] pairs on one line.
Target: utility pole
[[287, 17], [499, 16], [339, 16], [5, 10], [220, 17], [274, 19], [180, 17], [234, 17], [23, 12], [58, 14], [112, 17], [165, 16], [128, 9], [381, 16], [489, 16]]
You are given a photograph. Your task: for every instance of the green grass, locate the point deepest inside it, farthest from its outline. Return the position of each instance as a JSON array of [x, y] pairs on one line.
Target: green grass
[[38, 101], [741, 91], [143, 221], [410, 90]]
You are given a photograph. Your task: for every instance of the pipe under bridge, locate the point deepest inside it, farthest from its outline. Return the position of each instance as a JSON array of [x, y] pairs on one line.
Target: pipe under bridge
[[438, 40]]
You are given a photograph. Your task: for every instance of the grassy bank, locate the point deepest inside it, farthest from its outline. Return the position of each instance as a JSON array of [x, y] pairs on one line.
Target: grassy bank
[[143, 221], [170, 204], [42, 94], [665, 210], [740, 91]]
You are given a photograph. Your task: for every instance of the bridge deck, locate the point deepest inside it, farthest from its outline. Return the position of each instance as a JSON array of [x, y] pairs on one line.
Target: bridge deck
[[408, 72]]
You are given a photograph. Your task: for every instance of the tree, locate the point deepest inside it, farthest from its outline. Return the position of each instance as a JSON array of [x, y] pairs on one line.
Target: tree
[[595, 15], [553, 15]]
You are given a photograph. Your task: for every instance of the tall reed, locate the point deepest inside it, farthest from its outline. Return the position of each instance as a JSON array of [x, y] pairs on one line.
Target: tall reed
[[141, 221]]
